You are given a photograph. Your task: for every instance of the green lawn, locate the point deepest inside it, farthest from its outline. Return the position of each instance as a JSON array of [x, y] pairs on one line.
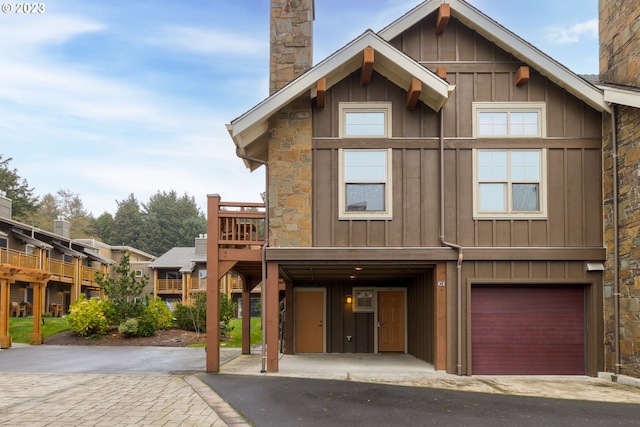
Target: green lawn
[[21, 327], [236, 333]]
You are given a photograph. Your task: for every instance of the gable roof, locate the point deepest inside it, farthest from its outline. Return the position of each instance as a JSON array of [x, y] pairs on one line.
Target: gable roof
[[505, 39], [249, 131], [621, 95]]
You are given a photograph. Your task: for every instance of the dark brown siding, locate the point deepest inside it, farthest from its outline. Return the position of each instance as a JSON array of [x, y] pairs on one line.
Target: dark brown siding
[[481, 72]]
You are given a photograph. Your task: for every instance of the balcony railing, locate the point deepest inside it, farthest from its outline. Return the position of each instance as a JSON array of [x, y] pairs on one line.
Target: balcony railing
[[241, 225], [89, 276], [200, 284], [20, 259], [61, 271], [170, 286]]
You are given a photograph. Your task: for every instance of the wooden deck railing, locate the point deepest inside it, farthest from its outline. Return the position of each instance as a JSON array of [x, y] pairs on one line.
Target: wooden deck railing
[[200, 284], [20, 259], [241, 224], [89, 276], [62, 271], [170, 286]]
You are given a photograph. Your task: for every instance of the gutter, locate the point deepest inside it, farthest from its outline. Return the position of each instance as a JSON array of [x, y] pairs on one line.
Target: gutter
[[616, 241], [458, 248], [263, 293]]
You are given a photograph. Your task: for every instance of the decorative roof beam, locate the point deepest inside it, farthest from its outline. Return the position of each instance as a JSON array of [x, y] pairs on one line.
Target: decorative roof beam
[[367, 66], [441, 72], [444, 13], [413, 93], [321, 93], [522, 75]]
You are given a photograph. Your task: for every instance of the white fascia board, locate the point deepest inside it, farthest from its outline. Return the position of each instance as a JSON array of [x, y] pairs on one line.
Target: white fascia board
[[507, 40], [621, 96]]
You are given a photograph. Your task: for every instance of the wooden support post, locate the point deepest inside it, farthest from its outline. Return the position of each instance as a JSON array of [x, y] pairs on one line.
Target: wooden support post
[[273, 316], [444, 13], [36, 336], [413, 93], [288, 321], [321, 93], [213, 285], [440, 296], [367, 66], [5, 307], [522, 75]]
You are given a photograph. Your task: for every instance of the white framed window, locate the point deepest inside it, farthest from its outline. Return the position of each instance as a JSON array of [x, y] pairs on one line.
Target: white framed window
[[509, 183], [509, 120], [365, 184], [30, 249], [365, 120], [4, 242], [363, 300], [138, 272]]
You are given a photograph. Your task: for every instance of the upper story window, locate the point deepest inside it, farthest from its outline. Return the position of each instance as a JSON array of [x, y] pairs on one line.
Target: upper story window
[[365, 120], [67, 258], [510, 183], [365, 184], [138, 272], [30, 249], [4, 242], [509, 120]]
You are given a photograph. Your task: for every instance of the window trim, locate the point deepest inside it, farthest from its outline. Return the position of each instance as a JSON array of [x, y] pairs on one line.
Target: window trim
[[510, 107], [364, 107], [343, 214], [509, 214], [356, 307], [138, 272]]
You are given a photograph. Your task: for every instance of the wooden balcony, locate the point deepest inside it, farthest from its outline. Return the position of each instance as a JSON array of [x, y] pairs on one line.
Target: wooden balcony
[[199, 285], [241, 225], [169, 286], [61, 271], [19, 259], [89, 276]]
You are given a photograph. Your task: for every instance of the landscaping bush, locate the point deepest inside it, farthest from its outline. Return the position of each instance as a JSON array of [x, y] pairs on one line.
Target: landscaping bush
[[192, 317], [86, 317], [147, 324], [161, 314], [129, 328]]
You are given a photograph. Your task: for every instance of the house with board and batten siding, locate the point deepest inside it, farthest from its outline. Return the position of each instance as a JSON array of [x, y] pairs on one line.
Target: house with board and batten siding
[[434, 188]]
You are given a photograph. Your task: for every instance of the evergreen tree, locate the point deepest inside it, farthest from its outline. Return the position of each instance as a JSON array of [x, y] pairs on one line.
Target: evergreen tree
[[17, 189]]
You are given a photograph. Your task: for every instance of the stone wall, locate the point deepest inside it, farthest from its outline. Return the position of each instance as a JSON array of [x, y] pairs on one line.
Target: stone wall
[[620, 64]]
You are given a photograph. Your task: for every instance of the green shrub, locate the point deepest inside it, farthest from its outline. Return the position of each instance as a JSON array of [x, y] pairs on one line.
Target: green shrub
[[147, 324], [110, 312], [87, 318], [129, 328], [192, 317], [161, 314]]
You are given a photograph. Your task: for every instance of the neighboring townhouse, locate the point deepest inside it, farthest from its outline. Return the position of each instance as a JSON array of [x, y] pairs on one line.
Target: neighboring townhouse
[[42, 272], [180, 272], [620, 76], [138, 260], [434, 189]]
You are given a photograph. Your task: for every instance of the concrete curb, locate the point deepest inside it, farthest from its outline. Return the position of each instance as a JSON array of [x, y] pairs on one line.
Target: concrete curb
[[620, 379]]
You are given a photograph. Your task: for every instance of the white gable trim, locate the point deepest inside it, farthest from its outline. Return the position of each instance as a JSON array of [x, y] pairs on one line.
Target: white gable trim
[[620, 96], [508, 41], [389, 61]]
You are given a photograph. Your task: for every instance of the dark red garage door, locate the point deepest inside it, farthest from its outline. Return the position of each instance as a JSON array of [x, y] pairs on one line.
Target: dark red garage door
[[528, 330]]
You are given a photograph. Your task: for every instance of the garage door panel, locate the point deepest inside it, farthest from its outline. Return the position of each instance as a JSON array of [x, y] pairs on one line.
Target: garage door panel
[[528, 330]]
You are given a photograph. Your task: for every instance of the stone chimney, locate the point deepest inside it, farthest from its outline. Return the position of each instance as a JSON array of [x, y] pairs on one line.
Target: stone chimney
[[290, 41], [5, 206], [201, 244], [619, 42], [290, 132], [62, 227]]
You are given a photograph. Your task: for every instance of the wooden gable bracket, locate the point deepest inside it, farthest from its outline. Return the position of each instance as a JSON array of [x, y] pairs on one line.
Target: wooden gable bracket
[[413, 93], [367, 66], [441, 72], [522, 75], [321, 93], [444, 13]]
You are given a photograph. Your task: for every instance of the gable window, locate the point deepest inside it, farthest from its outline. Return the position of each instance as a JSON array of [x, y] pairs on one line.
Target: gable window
[[365, 120], [365, 184], [138, 272], [510, 183], [509, 120]]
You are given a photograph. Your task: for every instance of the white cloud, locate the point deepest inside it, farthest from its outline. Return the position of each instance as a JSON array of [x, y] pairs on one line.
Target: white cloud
[[196, 40], [573, 33]]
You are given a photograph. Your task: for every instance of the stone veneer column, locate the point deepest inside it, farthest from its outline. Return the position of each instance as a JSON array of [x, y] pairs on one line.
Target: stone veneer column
[[620, 64], [290, 129]]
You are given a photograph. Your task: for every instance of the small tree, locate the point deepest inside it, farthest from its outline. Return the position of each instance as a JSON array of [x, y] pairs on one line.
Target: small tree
[[125, 290]]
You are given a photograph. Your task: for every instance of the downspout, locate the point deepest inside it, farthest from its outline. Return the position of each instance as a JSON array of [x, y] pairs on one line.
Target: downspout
[[458, 248], [263, 292], [616, 241]]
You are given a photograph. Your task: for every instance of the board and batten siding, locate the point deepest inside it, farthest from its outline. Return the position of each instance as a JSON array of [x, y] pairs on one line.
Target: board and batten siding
[[481, 72]]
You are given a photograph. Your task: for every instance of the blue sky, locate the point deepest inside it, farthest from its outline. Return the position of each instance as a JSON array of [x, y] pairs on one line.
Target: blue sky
[[108, 98]]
